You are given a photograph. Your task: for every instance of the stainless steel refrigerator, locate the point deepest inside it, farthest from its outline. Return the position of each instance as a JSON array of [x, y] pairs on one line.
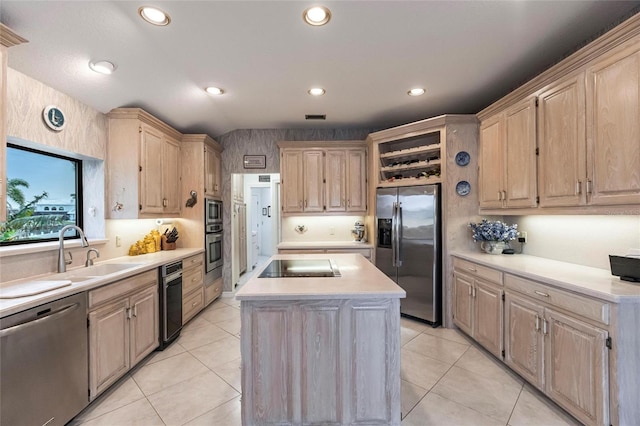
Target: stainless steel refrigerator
[[408, 247]]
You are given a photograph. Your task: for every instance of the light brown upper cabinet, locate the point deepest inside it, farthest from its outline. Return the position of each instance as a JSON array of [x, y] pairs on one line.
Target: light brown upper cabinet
[[562, 177], [345, 172], [508, 158], [587, 134], [322, 178], [144, 166], [212, 172], [613, 127]]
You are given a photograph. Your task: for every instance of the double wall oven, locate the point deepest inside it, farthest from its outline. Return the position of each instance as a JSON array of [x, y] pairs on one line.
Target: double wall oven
[[213, 237]]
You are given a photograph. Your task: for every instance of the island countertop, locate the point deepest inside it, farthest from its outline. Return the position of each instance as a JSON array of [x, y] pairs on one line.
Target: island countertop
[[360, 280]]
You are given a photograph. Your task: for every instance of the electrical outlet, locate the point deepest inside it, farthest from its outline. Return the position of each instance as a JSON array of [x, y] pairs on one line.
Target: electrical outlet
[[118, 241], [522, 237], [332, 231]]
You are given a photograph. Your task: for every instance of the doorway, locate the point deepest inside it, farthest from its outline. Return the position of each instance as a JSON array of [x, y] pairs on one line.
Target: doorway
[[257, 195]]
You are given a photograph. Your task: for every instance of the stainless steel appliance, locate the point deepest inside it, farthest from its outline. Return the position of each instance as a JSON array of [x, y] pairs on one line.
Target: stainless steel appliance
[[300, 268], [213, 212], [170, 303], [213, 239], [408, 247], [44, 374]]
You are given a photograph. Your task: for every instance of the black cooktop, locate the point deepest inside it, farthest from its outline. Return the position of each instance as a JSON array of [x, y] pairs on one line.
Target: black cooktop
[[300, 268]]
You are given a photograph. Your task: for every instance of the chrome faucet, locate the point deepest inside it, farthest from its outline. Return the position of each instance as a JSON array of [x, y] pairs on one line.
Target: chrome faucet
[[89, 261], [62, 262]]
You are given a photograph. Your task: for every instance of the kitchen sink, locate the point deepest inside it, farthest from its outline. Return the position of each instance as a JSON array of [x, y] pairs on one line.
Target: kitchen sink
[[103, 269]]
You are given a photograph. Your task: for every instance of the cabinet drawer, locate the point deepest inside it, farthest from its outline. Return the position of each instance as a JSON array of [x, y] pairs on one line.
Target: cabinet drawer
[[212, 291], [580, 305], [191, 279], [192, 262], [122, 287], [192, 305], [479, 271]]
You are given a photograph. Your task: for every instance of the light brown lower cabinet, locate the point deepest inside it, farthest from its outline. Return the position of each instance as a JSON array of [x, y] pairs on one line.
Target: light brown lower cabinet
[[192, 286], [321, 362], [478, 304], [564, 357], [212, 291], [123, 328]]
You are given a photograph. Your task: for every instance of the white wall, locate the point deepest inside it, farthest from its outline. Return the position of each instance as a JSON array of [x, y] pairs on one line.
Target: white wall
[[584, 240], [319, 228]]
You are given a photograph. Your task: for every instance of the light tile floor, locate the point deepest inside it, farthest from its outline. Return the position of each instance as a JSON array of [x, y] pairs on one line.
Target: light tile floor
[[446, 380]]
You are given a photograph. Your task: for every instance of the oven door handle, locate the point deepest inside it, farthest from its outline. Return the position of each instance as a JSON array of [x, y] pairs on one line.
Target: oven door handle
[[172, 277]]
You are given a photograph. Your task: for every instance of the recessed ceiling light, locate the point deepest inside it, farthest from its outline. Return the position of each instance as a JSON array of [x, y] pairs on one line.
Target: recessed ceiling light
[[316, 15], [316, 91], [103, 67], [214, 90], [154, 16], [416, 92]]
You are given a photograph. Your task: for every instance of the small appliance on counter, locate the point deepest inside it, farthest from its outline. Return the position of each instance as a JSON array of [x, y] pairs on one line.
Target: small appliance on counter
[[626, 267], [358, 232]]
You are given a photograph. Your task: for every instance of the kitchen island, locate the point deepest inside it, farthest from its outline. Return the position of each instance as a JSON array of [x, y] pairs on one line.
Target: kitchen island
[[321, 350]]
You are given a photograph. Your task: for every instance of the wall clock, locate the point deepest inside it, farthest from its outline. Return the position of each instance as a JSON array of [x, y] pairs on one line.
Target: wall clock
[[462, 158], [54, 118]]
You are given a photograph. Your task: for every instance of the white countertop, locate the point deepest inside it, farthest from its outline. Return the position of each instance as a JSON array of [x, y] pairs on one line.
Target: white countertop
[[586, 280], [324, 245], [360, 280], [143, 263]]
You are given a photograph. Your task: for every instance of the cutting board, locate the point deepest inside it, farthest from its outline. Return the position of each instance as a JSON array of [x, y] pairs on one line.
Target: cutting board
[[31, 288]]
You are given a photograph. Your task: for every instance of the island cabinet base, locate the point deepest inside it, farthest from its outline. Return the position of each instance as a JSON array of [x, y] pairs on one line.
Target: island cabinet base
[[321, 362]]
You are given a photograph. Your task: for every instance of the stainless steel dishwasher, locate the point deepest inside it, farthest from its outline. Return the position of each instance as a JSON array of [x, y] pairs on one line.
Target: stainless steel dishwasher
[[44, 363]]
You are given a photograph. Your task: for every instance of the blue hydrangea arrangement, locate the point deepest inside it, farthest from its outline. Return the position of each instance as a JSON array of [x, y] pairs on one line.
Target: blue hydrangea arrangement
[[488, 230]]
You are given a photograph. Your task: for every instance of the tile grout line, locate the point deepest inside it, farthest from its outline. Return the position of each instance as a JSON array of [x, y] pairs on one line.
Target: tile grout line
[[516, 403]]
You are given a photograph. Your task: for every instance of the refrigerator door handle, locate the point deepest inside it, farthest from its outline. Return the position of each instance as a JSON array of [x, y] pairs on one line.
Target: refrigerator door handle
[[399, 234], [394, 220]]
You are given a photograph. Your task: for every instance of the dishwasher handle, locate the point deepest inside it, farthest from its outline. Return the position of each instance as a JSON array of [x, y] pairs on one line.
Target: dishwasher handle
[[49, 317]]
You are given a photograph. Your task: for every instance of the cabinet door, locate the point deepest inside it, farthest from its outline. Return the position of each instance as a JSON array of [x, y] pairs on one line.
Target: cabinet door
[[491, 163], [313, 170], [613, 128], [211, 171], [562, 144], [463, 302], [356, 180], [291, 181], [577, 365], [144, 324], [488, 323], [520, 155], [336, 188], [523, 338], [151, 156], [171, 176], [108, 345], [217, 174]]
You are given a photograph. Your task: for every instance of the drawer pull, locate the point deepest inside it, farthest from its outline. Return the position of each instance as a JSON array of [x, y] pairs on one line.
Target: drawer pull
[[194, 279], [540, 293], [194, 304], [472, 269]]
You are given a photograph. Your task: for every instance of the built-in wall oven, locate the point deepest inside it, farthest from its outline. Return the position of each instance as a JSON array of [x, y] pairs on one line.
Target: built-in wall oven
[[213, 238], [170, 303]]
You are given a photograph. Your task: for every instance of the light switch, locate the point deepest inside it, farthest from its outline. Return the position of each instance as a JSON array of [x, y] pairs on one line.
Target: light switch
[[118, 241]]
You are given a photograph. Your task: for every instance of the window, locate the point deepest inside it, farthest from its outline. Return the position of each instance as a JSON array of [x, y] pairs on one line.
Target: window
[[35, 181]]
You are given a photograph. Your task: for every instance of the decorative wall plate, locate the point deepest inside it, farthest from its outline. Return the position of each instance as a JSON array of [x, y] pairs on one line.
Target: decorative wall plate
[[54, 118], [462, 158], [463, 188]]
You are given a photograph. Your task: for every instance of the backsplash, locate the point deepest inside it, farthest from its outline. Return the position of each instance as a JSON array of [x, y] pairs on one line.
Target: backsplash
[[583, 240], [318, 228]]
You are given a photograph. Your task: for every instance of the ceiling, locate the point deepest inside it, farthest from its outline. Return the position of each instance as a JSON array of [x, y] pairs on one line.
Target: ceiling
[[466, 54]]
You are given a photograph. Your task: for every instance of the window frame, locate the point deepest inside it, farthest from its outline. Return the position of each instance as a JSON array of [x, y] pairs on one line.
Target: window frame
[[79, 195]]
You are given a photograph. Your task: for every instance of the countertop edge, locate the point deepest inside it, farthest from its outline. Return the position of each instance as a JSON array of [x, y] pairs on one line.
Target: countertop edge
[[147, 262], [575, 273]]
